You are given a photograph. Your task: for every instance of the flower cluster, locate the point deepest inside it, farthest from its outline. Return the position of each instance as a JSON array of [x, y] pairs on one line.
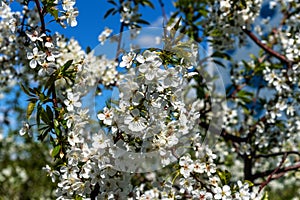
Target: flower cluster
[[192, 174], [161, 113], [228, 17]]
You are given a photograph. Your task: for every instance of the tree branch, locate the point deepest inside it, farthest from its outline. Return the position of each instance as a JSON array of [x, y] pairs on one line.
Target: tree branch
[[271, 175], [232, 138], [277, 154], [281, 170], [43, 26], [267, 49], [162, 5]]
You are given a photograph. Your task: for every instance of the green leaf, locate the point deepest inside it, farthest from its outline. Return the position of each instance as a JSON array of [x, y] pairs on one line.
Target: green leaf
[[50, 81], [67, 65], [224, 176], [49, 113], [109, 12], [148, 3], [245, 96], [54, 12], [249, 183], [244, 4], [38, 114], [176, 26], [112, 2], [44, 130], [30, 109], [219, 54], [25, 90], [141, 21], [219, 63], [45, 117], [56, 150], [266, 196]]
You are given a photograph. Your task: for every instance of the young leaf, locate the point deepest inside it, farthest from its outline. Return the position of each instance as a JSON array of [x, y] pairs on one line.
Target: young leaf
[[224, 176], [266, 196], [148, 3], [55, 151], [67, 65], [30, 109]]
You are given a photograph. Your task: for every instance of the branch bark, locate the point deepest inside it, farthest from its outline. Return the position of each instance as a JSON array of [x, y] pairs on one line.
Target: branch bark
[[281, 170], [277, 154], [43, 26], [267, 49], [273, 173]]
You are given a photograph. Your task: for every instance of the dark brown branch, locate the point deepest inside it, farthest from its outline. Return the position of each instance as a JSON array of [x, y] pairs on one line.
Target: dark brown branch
[[248, 165], [272, 174], [232, 138], [277, 154], [274, 177], [267, 49], [43, 26], [95, 191], [54, 100], [281, 170], [237, 89]]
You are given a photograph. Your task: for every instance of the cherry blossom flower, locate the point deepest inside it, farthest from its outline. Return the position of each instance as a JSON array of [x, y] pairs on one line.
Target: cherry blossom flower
[[186, 184], [74, 138], [171, 78], [202, 194], [106, 116], [225, 5], [71, 15], [187, 166], [72, 101], [223, 193], [127, 60], [99, 141], [198, 168], [135, 123], [150, 65], [35, 36], [35, 56], [68, 4], [25, 129], [51, 172], [104, 35], [47, 68]]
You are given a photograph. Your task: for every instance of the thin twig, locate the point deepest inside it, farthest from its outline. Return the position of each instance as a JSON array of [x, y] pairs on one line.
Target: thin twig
[[277, 154], [120, 40], [54, 100], [162, 6], [43, 26], [274, 172], [282, 170]]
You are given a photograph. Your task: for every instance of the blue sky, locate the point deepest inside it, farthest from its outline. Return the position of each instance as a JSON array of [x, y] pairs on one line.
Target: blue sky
[[91, 22]]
